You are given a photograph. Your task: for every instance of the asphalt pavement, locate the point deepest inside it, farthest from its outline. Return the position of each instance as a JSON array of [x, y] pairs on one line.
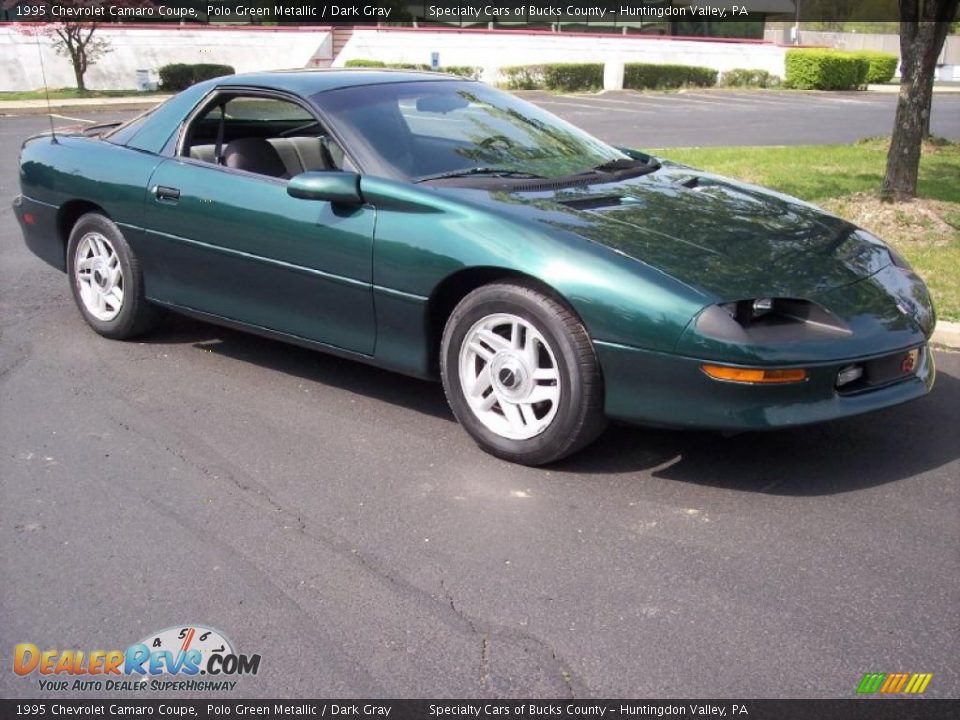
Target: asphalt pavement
[[335, 519], [721, 117]]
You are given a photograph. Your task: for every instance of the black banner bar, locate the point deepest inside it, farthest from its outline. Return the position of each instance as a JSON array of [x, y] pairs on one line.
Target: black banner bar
[[852, 709], [500, 12]]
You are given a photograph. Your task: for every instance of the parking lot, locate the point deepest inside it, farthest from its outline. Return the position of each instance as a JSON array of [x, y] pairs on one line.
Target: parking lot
[[710, 118], [335, 519]]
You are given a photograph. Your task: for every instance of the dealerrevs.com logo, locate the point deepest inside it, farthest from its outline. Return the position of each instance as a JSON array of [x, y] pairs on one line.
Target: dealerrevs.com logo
[[190, 658]]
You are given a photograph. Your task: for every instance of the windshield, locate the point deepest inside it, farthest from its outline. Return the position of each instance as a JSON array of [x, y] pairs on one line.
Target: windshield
[[419, 130]]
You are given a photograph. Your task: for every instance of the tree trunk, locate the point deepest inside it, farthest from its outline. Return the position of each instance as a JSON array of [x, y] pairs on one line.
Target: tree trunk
[[920, 45], [916, 91], [70, 42], [926, 117], [78, 73]]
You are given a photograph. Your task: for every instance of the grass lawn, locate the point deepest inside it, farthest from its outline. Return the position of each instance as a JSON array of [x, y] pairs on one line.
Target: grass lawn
[[845, 179], [69, 94]]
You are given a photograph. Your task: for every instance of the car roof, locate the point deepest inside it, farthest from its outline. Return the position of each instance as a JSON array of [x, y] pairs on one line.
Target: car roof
[[309, 82], [157, 129]]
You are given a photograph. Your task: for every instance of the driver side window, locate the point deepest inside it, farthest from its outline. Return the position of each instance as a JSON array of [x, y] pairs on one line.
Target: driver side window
[[263, 135]]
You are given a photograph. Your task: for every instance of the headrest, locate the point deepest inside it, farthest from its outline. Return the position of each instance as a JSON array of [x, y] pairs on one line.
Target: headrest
[[254, 155]]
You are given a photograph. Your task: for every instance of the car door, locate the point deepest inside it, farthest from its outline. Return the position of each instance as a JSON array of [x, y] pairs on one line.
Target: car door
[[233, 244]]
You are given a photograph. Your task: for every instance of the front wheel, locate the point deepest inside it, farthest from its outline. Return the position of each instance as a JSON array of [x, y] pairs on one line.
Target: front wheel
[[520, 374]]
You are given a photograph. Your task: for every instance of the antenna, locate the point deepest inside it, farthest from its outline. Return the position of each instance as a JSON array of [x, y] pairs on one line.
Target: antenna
[[46, 91]]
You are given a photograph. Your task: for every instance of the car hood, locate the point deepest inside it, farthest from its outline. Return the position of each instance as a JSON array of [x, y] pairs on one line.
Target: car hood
[[721, 237]]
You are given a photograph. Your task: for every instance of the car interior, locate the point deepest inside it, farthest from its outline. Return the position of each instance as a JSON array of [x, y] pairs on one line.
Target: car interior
[[262, 135]]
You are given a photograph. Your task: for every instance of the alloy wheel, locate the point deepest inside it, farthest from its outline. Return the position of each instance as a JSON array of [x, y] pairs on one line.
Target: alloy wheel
[[509, 376]]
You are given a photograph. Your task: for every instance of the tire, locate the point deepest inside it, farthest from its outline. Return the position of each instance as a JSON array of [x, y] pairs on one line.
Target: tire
[[520, 374], [106, 280]]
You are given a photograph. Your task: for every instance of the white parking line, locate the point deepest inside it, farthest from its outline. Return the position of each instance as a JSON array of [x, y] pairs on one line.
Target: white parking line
[[662, 100], [594, 108], [66, 117], [693, 100], [844, 101], [747, 99], [605, 99], [730, 99]]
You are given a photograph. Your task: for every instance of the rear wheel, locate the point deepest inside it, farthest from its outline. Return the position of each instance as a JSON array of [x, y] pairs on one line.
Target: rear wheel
[[520, 374], [107, 281]]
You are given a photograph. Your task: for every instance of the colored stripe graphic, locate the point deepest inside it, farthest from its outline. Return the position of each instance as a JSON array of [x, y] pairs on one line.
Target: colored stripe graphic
[[918, 683], [871, 682], [188, 639], [894, 683]]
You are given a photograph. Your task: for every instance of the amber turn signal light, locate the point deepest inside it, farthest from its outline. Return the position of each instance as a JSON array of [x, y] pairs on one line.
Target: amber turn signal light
[[757, 376]]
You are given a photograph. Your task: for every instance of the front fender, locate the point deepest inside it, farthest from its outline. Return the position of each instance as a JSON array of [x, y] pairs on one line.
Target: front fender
[[424, 236]]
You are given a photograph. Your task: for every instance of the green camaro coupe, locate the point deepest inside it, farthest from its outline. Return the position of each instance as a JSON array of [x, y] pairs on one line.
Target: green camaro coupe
[[438, 227]]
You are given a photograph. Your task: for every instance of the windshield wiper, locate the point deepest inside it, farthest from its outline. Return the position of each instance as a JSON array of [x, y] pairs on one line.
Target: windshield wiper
[[491, 171], [618, 164], [625, 164]]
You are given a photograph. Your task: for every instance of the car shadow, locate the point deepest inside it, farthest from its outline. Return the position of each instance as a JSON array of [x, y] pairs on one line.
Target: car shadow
[[829, 458], [419, 395]]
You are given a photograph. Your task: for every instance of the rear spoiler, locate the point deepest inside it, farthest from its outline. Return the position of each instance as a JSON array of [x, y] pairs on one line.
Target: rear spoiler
[[100, 129], [90, 131]]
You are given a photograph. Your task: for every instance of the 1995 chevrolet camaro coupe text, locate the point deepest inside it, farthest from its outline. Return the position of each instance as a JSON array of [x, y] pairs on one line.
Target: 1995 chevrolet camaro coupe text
[[437, 226]]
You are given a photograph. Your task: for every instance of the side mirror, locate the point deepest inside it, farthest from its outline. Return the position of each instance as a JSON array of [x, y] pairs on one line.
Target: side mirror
[[336, 186]]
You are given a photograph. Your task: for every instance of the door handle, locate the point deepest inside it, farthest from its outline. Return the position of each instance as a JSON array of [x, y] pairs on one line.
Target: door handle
[[166, 193]]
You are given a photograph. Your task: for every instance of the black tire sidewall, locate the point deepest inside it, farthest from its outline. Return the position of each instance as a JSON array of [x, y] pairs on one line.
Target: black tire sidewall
[[124, 324], [534, 308]]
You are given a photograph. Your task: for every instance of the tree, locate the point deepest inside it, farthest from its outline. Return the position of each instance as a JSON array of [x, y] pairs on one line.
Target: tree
[[923, 27], [74, 39]]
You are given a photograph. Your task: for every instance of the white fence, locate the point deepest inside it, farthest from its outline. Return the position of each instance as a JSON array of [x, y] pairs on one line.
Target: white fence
[[492, 50], [265, 48], [141, 48]]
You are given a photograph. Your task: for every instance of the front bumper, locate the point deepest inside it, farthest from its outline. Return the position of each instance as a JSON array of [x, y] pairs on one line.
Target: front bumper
[[669, 390]]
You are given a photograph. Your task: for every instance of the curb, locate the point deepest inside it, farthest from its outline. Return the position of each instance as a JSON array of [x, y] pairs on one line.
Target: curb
[[947, 335], [895, 88], [39, 107]]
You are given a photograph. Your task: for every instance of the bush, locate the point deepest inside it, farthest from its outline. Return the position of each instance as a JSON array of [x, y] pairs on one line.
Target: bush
[[409, 66], [825, 70], [180, 76], [567, 77], [883, 65], [589, 76], [571, 77], [362, 62], [522, 77], [741, 77], [208, 71], [464, 71], [469, 72], [644, 76]]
